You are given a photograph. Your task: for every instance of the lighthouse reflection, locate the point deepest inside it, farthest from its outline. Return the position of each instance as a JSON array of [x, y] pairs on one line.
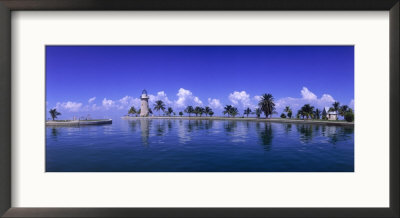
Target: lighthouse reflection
[[145, 130]]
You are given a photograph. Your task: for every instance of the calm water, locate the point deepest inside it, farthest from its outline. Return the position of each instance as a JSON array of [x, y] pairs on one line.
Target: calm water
[[161, 145]]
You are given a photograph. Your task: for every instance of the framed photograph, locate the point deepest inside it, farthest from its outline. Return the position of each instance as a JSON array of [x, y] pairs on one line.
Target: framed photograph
[[199, 109]]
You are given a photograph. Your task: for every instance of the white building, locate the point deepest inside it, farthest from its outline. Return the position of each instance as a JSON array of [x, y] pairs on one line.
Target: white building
[[144, 105], [330, 115]]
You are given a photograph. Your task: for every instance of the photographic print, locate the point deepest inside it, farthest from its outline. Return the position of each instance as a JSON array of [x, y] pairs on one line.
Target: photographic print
[[199, 108]]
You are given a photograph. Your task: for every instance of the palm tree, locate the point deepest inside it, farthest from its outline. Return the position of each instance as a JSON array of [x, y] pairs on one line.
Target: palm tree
[[336, 106], [159, 105], [288, 111], [170, 111], [267, 104], [189, 110], [258, 112], [198, 110], [180, 113], [300, 113], [247, 112], [132, 110], [308, 111], [343, 109], [317, 113], [201, 111], [207, 110], [211, 113], [233, 111], [54, 113], [227, 109]]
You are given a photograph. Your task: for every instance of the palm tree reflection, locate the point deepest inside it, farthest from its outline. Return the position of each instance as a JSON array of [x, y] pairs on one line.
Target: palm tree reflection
[[306, 132], [266, 135], [160, 128], [169, 124], [208, 124], [230, 126], [54, 132], [133, 125], [336, 133], [288, 128], [189, 126]]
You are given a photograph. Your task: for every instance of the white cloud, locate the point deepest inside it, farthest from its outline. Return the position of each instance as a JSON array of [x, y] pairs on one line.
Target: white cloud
[[241, 99], [307, 94], [91, 100], [351, 104], [160, 96], [257, 98], [327, 98], [107, 104], [69, 106], [185, 98], [127, 102], [95, 107], [214, 103], [307, 97]]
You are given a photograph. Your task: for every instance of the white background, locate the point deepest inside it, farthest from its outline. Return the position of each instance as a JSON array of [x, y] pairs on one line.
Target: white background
[[368, 186]]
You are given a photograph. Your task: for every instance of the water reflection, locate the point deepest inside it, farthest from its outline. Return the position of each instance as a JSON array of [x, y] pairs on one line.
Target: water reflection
[[288, 128], [306, 132], [266, 134], [133, 124], [180, 145], [183, 132], [238, 131], [54, 132], [230, 126], [145, 130]]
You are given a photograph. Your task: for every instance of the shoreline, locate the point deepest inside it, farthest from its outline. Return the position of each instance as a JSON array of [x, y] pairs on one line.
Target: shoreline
[[275, 120], [78, 122]]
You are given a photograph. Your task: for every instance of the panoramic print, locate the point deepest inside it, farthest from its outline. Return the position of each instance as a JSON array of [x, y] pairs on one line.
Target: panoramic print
[[199, 109]]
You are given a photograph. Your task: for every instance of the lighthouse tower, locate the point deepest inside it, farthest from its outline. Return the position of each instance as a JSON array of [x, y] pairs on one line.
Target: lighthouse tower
[[144, 105]]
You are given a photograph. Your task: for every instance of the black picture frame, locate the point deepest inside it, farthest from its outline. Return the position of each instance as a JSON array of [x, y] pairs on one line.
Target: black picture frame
[[7, 6]]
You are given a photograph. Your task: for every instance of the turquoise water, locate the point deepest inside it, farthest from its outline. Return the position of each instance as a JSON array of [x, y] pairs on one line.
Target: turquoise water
[[161, 145]]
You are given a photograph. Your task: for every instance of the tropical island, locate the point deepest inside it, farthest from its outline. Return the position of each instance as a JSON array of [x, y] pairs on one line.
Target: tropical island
[[74, 122], [266, 107]]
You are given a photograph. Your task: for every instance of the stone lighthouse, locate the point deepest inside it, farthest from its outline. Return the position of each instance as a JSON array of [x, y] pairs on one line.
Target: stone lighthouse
[[144, 105]]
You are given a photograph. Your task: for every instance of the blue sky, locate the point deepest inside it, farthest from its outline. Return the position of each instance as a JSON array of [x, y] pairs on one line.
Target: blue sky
[[104, 81]]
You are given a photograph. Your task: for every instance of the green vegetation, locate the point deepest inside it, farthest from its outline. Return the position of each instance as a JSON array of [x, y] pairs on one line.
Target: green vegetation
[[288, 112], [54, 113], [227, 109], [230, 110], [132, 111], [170, 111], [349, 115], [307, 111], [317, 114], [258, 112], [335, 107], [189, 110], [207, 110], [234, 111], [159, 106], [267, 104], [247, 112]]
